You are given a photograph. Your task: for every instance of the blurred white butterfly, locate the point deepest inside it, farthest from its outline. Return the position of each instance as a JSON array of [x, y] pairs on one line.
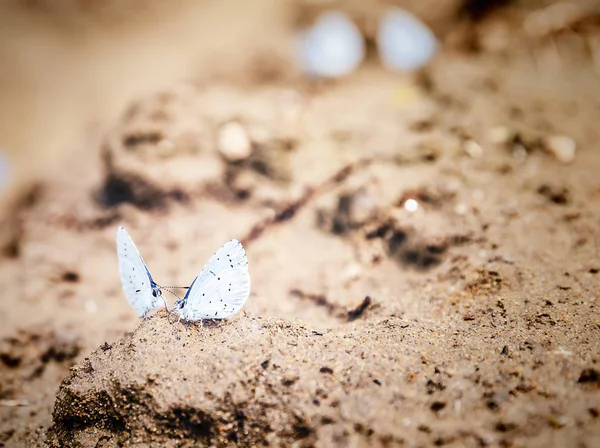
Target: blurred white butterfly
[[142, 293], [221, 288]]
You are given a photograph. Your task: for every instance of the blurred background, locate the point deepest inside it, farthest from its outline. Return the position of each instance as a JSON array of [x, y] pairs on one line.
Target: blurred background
[[69, 67]]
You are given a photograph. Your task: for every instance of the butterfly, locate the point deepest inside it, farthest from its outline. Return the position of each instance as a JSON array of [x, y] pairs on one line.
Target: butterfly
[[221, 288], [142, 293]]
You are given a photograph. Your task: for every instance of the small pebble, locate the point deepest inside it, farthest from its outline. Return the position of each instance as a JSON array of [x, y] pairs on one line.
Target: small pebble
[[244, 183], [472, 148], [478, 195], [363, 206], [233, 142], [332, 47], [520, 153], [165, 147], [352, 272], [461, 209], [411, 205], [499, 135], [558, 421], [561, 147], [562, 352], [404, 42]]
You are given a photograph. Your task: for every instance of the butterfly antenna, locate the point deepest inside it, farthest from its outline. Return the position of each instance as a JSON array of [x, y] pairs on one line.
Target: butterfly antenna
[[171, 292], [166, 288]]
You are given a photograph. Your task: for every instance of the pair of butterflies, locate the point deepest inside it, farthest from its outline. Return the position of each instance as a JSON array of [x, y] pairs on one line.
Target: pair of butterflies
[[219, 291]]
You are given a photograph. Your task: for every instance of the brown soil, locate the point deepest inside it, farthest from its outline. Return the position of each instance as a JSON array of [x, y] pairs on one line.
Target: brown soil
[[472, 321]]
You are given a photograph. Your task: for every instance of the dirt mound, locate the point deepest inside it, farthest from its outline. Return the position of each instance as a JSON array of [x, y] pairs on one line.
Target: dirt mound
[[250, 381], [253, 381]]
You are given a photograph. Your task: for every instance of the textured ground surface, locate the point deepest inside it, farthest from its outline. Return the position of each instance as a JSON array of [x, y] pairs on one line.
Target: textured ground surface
[[472, 321]]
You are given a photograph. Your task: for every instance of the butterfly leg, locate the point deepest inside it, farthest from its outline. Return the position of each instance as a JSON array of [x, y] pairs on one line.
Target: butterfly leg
[[201, 327], [231, 325], [170, 314], [176, 331]]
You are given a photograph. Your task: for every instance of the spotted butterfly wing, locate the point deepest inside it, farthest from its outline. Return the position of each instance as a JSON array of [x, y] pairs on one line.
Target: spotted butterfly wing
[[140, 290], [221, 288]]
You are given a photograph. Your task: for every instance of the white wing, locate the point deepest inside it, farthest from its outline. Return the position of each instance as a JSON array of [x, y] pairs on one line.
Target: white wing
[[222, 287], [135, 277]]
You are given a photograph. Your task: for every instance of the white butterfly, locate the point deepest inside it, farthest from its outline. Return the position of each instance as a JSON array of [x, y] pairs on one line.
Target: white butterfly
[[142, 293], [221, 288]]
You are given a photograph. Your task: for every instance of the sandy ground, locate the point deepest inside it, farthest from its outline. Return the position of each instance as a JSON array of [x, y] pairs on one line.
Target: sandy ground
[[472, 321]]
